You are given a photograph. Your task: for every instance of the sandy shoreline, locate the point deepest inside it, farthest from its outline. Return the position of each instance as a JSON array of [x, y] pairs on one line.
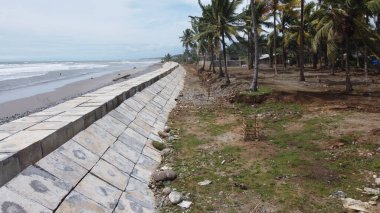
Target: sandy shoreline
[[19, 108]]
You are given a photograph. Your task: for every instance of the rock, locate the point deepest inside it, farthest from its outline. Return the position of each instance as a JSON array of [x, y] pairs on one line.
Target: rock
[[167, 129], [377, 181], [339, 194], [175, 197], [373, 203], [374, 198], [159, 176], [164, 175], [166, 191], [356, 205], [166, 152], [170, 174], [163, 134], [185, 204], [205, 183], [371, 191]]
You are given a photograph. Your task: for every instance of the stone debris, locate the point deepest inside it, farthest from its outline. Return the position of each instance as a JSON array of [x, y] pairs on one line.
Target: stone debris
[[166, 175], [205, 183], [371, 191], [167, 129], [185, 204], [357, 205], [175, 197], [338, 194], [166, 191], [377, 181], [163, 135]]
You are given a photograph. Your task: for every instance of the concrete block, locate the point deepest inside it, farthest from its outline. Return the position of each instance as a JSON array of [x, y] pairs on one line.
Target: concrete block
[[126, 120], [126, 151], [110, 174], [148, 163], [95, 139], [13, 202], [16, 126], [133, 139], [49, 125], [99, 191], [111, 125], [62, 167], [141, 127], [40, 186], [78, 154], [142, 174], [77, 203], [122, 163], [127, 205], [4, 135], [9, 167]]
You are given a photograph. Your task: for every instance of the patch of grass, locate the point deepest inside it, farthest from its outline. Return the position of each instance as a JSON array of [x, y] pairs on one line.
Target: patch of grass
[[188, 143], [260, 91]]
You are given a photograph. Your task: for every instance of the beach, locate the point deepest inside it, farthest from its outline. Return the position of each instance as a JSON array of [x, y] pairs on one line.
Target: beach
[[19, 106]]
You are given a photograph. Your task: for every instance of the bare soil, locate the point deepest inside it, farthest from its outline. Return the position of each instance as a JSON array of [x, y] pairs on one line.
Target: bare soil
[[313, 140]]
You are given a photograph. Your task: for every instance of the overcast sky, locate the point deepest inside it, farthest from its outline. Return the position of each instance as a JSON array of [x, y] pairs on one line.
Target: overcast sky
[[92, 29]]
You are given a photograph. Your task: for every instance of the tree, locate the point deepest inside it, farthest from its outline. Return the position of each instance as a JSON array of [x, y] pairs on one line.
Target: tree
[[302, 42], [256, 48]]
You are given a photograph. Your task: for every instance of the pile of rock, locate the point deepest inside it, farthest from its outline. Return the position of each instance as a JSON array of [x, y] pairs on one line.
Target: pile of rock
[[353, 205], [165, 175]]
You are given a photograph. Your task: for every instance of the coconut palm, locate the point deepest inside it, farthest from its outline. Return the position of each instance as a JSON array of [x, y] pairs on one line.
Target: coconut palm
[[342, 21], [254, 86]]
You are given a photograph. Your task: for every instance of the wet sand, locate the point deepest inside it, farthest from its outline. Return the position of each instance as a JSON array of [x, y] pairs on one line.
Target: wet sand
[[19, 108]]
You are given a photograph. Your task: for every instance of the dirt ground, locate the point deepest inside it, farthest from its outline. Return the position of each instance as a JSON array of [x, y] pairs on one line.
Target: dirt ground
[[310, 140]]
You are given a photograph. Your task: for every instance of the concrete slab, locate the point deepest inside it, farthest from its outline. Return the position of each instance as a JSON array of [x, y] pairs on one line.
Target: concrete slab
[[136, 106], [126, 151], [142, 174], [149, 119], [78, 154], [9, 167], [110, 174], [49, 125], [40, 186], [122, 163], [95, 139], [99, 191], [62, 167], [111, 125], [141, 127], [133, 139], [23, 139], [16, 126], [152, 153], [126, 120], [32, 119], [140, 193], [147, 163], [4, 135], [11, 202], [77, 203], [127, 205]]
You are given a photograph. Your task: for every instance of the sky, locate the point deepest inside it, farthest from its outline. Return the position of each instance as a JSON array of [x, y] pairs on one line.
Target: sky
[[48, 30]]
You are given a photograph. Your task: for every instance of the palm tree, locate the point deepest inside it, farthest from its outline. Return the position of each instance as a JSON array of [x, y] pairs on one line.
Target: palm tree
[[256, 48], [187, 40], [342, 21], [223, 21], [274, 8], [302, 41]]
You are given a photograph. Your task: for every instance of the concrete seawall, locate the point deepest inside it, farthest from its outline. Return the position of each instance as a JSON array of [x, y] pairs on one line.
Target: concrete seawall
[[25, 141]]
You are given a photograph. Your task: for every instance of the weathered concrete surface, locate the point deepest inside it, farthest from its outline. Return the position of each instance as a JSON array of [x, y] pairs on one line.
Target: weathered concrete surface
[[107, 166], [43, 132]]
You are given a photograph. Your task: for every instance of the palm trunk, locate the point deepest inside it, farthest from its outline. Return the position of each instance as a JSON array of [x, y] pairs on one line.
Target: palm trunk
[[302, 37], [250, 51], [366, 56], [275, 35], [254, 85], [315, 60], [225, 59], [348, 78], [221, 73], [204, 61], [284, 56], [270, 57]]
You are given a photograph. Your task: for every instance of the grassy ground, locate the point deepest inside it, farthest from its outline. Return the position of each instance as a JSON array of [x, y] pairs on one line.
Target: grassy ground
[[302, 156]]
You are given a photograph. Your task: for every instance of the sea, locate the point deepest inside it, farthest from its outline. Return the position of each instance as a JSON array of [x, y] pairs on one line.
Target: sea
[[24, 79]]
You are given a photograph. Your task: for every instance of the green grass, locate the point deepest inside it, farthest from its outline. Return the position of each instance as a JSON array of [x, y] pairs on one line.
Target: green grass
[[309, 172], [260, 91]]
